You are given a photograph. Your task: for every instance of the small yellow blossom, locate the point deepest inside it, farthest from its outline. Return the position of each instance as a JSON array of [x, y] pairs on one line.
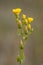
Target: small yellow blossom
[[16, 11], [23, 16], [29, 26], [30, 19]]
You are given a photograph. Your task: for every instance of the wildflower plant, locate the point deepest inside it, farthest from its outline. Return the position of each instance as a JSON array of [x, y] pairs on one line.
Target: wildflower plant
[[24, 30]]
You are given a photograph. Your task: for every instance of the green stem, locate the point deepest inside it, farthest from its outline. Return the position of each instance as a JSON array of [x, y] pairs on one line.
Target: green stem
[[20, 63]]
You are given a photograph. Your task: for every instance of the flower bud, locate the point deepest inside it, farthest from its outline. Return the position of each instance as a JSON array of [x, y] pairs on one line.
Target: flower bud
[[32, 30], [25, 37], [19, 24], [17, 19], [26, 21], [23, 16], [21, 44], [18, 58], [26, 30], [29, 26]]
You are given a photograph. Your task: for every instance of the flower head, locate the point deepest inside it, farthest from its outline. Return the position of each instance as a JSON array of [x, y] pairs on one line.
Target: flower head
[[23, 16], [16, 11], [30, 19]]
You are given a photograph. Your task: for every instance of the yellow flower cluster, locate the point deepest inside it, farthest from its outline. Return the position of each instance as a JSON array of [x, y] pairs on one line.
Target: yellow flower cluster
[[25, 23], [27, 20]]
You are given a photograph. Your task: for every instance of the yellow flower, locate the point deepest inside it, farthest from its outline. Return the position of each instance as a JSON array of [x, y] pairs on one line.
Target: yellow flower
[[30, 19], [23, 16], [16, 11], [29, 26]]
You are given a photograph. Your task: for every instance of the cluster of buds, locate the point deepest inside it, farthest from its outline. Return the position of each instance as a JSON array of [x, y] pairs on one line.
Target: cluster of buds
[[24, 29]]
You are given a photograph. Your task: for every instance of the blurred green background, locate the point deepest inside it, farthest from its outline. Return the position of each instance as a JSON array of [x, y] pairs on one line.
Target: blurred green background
[[9, 44]]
